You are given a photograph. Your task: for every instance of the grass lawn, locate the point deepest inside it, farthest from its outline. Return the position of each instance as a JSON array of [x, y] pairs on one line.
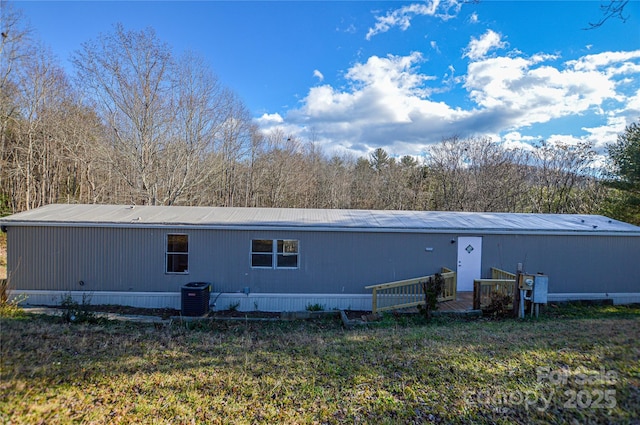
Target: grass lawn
[[575, 365]]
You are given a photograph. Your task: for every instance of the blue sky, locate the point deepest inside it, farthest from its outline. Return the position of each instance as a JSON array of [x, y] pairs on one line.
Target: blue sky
[[357, 75]]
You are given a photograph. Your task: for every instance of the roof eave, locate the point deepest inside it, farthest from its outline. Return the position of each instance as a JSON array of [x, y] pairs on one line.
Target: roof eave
[[323, 228]]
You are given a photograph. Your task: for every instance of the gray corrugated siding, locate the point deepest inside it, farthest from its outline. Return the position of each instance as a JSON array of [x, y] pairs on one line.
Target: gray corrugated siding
[[130, 259], [115, 259], [58, 258], [574, 264]]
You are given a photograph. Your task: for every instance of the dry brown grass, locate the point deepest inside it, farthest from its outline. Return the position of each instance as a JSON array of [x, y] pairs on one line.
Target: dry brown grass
[[399, 372]]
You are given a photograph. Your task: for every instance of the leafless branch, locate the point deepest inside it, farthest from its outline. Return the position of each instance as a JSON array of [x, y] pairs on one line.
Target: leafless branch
[[610, 9]]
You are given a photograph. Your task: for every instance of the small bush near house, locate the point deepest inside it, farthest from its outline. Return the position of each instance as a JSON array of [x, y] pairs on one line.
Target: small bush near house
[[315, 307], [9, 307], [75, 312], [432, 289], [499, 306]]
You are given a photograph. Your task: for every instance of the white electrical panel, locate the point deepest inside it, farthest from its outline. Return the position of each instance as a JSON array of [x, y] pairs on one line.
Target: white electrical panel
[[540, 289]]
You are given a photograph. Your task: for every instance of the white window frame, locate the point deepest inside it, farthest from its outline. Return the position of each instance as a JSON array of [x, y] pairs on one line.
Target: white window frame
[[275, 254], [167, 253]]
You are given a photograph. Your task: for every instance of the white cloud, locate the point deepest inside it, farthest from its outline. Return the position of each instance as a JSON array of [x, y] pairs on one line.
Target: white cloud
[[474, 19], [515, 140], [632, 106], [392, 72], [318, 75], [564, 140], [386, 105], [350, 29], [389, 102], [607, 133], [384, 90], [531, 92], [478, 48], [593, 62], [402, 17], [270, 119]]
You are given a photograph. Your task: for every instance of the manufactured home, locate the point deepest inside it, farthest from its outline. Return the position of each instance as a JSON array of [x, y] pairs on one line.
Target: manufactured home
[[277, 259]]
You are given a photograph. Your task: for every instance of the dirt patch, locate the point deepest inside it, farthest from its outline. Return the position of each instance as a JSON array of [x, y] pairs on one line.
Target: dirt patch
[[249, 314], [357, 314], [167, 313], [164, 313]]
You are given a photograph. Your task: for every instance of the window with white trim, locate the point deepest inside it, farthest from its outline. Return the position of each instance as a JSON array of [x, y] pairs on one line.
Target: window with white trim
[[274, 253], [177, 253]]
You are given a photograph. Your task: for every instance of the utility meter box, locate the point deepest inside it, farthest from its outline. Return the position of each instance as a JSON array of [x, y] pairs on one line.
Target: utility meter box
[[540, 289], [526, 282]]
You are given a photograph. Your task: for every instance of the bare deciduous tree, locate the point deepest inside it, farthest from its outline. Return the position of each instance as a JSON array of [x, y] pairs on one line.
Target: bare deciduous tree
[[15, 47], [128, 74], [278, 170], [560, 173], [479, 175], [611, 9], [156, 129], [446, 167], [173, 126]]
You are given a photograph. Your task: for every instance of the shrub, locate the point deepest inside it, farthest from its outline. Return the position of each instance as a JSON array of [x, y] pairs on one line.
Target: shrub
[[9, 307], [315, 307], [432, 288], [499, 305], [75, 312]]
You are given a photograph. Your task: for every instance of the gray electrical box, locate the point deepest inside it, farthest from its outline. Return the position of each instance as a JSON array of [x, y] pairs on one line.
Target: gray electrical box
[[540, 289]]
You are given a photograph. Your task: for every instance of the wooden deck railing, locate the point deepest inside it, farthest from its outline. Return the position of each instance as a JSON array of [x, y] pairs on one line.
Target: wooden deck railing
[[450, 288], [486, 290], [410, 292], [501, 274]]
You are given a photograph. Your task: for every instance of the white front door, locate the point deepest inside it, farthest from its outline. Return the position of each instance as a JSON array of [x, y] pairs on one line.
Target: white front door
[[469, 261]]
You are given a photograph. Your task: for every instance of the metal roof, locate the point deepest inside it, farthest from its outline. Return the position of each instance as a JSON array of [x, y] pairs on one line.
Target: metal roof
[[79, 215]]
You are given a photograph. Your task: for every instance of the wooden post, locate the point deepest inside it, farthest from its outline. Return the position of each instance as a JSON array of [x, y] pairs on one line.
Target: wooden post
[[476, 295], [374, 299], [516, 292]]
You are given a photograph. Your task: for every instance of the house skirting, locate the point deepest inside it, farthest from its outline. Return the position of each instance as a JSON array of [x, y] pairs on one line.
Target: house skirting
[[218, 301], [256, 301], [617, 298]]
